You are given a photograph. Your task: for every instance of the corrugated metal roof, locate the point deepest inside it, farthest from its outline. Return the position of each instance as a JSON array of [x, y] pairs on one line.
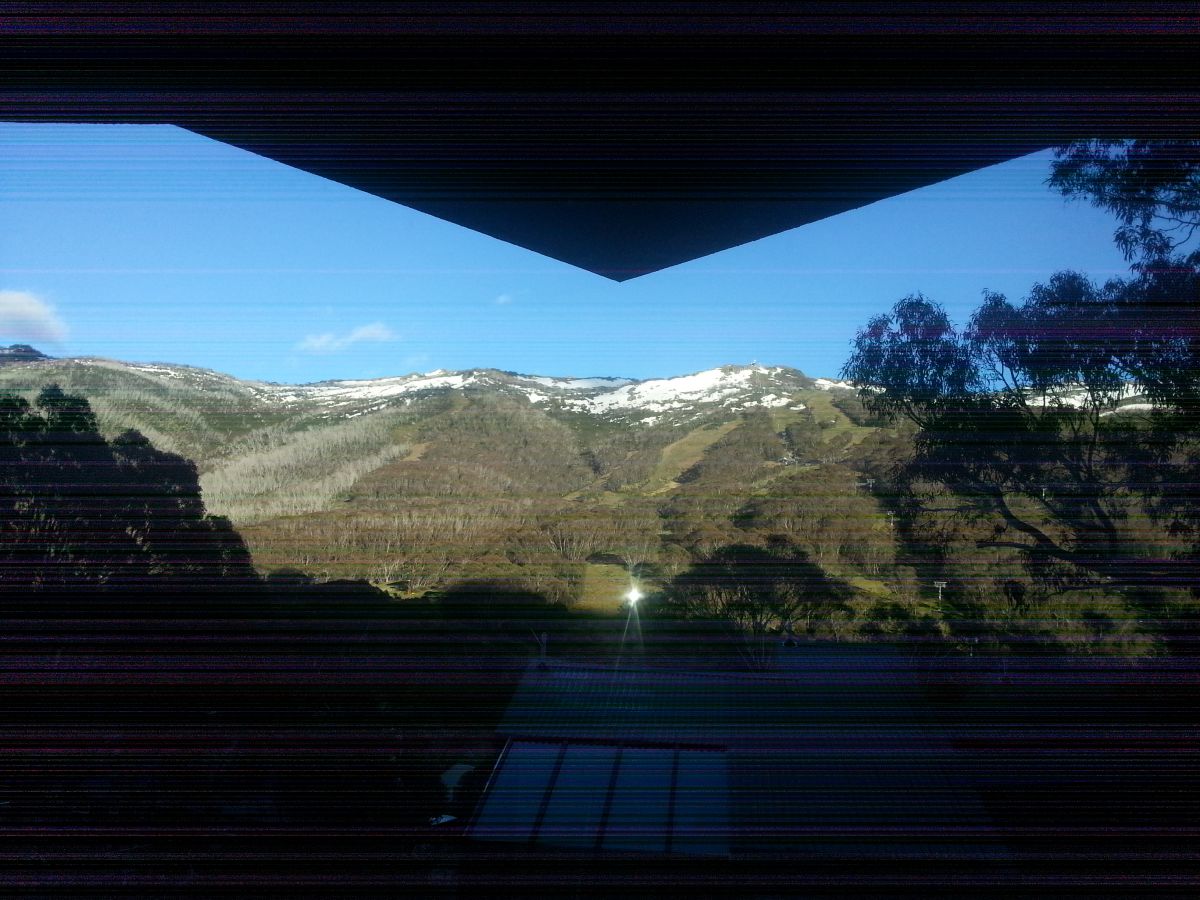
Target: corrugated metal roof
[[811, 691]]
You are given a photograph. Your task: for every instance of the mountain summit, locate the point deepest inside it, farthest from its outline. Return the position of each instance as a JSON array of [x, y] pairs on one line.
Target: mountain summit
[[683, 398], [676, 400], [18, 353]]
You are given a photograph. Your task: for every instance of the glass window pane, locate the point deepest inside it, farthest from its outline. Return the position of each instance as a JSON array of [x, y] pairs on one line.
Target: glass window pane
[[701, 821], [516, 794], [577, 802], [641, 802]]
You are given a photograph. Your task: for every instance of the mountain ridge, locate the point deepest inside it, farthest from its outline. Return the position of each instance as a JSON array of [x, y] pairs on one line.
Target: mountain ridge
[[19, 353], [611, 396], [24, 353], [269, 449]]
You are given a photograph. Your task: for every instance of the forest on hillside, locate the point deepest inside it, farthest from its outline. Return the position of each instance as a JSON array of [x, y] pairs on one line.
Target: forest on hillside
[[816, 522]]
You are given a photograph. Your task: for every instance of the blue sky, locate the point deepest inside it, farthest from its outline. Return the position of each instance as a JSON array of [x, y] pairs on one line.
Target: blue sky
[[149, 243]]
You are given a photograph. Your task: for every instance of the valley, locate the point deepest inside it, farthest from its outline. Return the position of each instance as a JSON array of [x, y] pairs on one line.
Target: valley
[[463, 465], [567, 488]]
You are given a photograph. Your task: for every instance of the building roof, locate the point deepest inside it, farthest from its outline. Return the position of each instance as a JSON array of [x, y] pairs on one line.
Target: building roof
[[833, 746]]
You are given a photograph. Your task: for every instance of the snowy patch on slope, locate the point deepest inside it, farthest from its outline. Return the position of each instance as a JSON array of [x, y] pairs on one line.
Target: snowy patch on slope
[[165, 371], [341, 392], [347, 391], [663, 394], [1129, 407], [730, 386], [576, 384], [1075, 396], [768, 400]]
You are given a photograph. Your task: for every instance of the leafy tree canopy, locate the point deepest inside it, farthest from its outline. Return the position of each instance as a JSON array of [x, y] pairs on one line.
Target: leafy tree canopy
[[1016, 410], [757, 590], [1151, 187], [79, 512]]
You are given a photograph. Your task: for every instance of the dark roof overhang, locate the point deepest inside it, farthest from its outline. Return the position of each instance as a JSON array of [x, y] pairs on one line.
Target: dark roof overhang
[[618, 142]]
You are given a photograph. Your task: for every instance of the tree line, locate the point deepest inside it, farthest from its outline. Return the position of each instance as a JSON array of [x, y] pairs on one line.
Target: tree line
[[1018, 413], [82, 513]]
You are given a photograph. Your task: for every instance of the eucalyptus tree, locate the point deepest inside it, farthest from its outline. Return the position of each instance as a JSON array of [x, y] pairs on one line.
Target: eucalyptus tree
[[1018, 411]]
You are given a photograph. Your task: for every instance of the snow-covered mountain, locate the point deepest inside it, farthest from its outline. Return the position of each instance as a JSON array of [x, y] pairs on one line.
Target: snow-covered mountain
[[676, 400], [625, 398], [337, 395], [730, 387], [198, 411]]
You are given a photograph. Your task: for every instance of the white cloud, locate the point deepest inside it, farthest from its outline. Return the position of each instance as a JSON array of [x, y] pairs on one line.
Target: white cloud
[[26, 316], [375, 333], [504, 299]]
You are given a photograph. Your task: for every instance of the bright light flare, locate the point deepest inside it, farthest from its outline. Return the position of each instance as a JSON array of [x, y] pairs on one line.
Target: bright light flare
[[634, 596]]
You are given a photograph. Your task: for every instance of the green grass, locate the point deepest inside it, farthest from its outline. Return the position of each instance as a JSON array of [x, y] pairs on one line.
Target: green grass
[[604, 589], [870, 586], [678, 456], [782, 417], [833, 421]]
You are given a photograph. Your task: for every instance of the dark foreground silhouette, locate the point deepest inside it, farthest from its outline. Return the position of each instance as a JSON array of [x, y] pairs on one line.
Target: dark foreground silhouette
[[173, 722]]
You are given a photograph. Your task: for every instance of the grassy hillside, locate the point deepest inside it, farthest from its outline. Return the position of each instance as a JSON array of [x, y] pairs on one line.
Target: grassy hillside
[[192, 412], [425, 487], [511, 493], [679, 456]]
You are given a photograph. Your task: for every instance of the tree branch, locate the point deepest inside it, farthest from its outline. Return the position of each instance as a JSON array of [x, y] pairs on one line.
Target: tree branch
[[1031, 549]]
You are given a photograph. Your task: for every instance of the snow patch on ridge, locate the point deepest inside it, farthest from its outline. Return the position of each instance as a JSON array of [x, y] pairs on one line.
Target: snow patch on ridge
[[663, 394], [770, 400], [165, 371], [576, 384], [341, 392], [731, 387]]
